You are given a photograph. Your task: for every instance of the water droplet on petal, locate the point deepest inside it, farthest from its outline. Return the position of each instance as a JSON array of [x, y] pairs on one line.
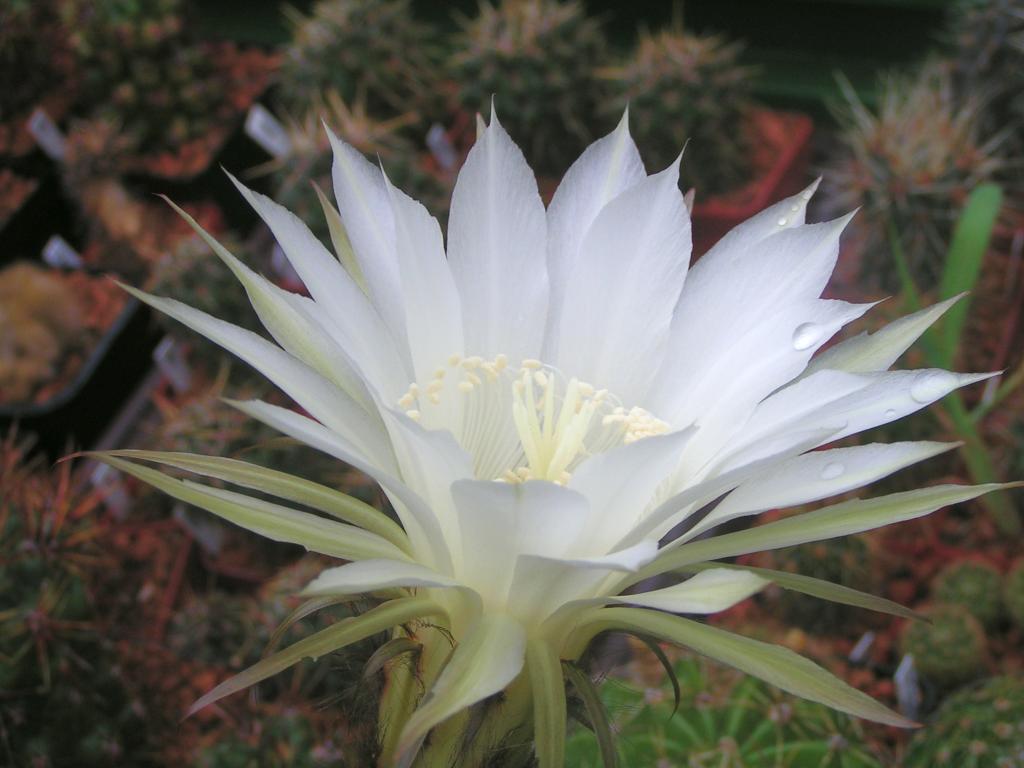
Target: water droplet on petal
[[832, 470], [931, 385], [805, 335], [890, 413], [781, 222]]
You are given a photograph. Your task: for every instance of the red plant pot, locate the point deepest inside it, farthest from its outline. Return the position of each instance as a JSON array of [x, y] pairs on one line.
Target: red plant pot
[[782, 151]]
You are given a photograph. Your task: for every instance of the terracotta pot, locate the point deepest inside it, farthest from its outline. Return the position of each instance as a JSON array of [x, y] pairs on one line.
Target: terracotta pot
[[781, 154]]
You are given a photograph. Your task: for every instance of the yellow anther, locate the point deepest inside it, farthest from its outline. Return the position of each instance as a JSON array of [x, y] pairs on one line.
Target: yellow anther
[[406, 401], [532, 365], [465, 387], [454, 360], [413, 414], [439, 373]]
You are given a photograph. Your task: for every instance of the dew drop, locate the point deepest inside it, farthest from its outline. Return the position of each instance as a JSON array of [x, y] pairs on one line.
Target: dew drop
[[794, 209], [890, 413], [832, 470], [931, 385], [805, 335], [781, 222]]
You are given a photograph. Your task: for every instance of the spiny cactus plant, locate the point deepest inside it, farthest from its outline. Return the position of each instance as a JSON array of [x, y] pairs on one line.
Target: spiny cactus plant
[[848, 561], [40, 319], [33, 55], [988, 58], [909, 166], [949, 649], [1013, 594], [538, 58], [682, 87], [978, 727], [141, 66], [282, 738], [370, 47], [218, 626], [973, 585], [65, 702], [722, 721], [309, 161]]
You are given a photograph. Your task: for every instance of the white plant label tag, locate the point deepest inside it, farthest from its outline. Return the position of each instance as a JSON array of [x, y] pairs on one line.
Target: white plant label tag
[[171, 363], [47, 135], [60, 255], [267, 131], [441, 147]]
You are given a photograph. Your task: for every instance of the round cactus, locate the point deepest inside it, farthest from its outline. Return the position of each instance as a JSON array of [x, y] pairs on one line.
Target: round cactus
[[975, 586], [1013, 594], [372, 49], [538, 57], [682, 87], [982, 727], [948, 649]]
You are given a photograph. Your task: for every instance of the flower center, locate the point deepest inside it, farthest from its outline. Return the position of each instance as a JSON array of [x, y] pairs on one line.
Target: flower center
[[527, 422]]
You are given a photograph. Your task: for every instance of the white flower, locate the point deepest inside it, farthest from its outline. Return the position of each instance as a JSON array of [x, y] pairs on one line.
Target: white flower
[[543, 401]]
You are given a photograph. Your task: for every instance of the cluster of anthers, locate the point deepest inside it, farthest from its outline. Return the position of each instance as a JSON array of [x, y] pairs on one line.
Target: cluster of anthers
[[557, 421]]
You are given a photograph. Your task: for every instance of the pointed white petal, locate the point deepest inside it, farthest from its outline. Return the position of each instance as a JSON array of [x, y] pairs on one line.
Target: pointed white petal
[[432, 309], [363, 333], [606, 168], [497, 238], [710, 591], [785, 214], [818, 475], [620, 296], [878, 351], [373, 575], [365, 211]]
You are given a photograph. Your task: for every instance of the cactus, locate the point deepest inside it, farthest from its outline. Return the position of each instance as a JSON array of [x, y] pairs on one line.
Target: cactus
[[283, 738], [70, 704], [33, 55], [848, 561], [218, 628], [682, 87], [538, 58], [978, 727], [40, 319], [949, 649], [1013, 594], [723, 721], [988, 58], [360, 48], [140, 65], [975, 586], [909, 167]]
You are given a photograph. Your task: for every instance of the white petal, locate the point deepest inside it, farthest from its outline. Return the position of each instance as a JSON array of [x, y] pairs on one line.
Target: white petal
[[497, 238], [365, 210], [606, 168], [878, 351], [782, 215], [621, 482], [363, 333], [620, 296], [500, 521], [818, 475], [432, 309], [417, 517], [372, 575], [710, 591]]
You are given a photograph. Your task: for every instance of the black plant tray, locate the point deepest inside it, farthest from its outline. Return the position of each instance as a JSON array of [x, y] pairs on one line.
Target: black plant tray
[[76, 416]]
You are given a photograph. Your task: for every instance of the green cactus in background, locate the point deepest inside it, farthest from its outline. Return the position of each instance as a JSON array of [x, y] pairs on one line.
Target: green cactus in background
[[33, 54], [948, 649], [848, 561], [909, 167], [974, 586], [980, 727], [988, 59], [538, 59], [218, 628], [140, 65], [721, 722], [682, 87], [283, 738], [372, 49], [1013, 594]]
